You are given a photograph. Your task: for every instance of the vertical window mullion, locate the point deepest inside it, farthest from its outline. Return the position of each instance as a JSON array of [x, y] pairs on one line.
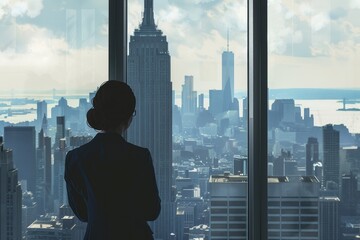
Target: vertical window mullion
[[118, 40], [257, 119]]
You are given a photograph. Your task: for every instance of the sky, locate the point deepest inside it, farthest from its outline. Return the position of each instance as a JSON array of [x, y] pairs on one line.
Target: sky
[[47, 44]]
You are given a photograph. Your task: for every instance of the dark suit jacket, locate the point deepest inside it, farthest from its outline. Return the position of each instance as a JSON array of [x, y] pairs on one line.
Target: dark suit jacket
[[111, 185]]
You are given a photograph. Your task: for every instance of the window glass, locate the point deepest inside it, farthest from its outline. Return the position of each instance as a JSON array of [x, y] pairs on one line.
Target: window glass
[[53, 56], [187, 66], [313, 117]]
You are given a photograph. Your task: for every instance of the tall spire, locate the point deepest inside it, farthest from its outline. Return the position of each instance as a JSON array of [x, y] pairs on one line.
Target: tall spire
[[228, 40], [148, 18]]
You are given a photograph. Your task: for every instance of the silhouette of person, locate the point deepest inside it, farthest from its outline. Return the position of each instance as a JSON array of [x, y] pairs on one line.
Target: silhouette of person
[[110, 182]]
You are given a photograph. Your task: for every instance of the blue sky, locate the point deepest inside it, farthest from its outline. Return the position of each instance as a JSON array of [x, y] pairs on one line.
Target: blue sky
[[49, 44]]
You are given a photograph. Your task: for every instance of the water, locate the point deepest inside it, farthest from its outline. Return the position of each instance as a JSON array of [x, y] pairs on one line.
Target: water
[[324, 111], [30, 109]]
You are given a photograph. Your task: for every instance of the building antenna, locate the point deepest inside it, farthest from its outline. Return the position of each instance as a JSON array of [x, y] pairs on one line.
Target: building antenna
[[228, 40]]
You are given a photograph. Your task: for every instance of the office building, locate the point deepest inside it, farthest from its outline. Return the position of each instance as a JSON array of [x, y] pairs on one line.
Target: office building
[[149, 77], [60, 130], [349, 194], [10, 196], [201, 101], [216, 102], [48, 175], [227, 64], [312, 155], [41, 110], [59, 188], [22, 141], [40, 172], [331, 159], [52, 228], [308, 119], [188, 96], [329, 218], [285, 108], [240, 165], [293, 211]]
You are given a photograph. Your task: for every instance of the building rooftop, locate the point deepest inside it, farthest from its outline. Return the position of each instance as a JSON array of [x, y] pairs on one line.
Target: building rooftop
[[229, 178], [329, 199]]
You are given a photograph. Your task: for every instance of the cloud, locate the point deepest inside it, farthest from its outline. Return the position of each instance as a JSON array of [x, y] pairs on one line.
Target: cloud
[[319, 21], [40, 60], [355, 4], [20, 8]]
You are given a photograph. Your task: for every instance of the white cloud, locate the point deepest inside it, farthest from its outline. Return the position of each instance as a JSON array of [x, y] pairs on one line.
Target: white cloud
[[319, 21], [355, 4], [19, 8], [46, 62]]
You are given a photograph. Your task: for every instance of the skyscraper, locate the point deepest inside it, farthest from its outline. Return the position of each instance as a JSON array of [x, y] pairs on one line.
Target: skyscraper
[[227, 60], [215, 101], [41, 110], [312, 155], [349, 194], [329, 218], [22, 141], [188, 96], [60, 129], [331, 163], [240, 165], [149, 77], [48, 176], [201, 101], [10, 197], [285, 109], [59, 188], [40, 173], [293, 211]]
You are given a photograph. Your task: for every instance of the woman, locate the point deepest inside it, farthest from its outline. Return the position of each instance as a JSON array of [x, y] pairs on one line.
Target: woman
[[111, 183]]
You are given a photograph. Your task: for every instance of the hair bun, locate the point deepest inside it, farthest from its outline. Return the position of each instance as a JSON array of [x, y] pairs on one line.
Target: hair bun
[[94, 119]]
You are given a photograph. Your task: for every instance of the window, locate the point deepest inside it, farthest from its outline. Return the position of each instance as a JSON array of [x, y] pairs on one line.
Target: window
[[187, 64], [54, 55], [313, 102], [210, 130]]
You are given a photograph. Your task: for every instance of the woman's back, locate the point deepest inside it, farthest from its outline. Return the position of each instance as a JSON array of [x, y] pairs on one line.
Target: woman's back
[[111, 183], [117, 181]]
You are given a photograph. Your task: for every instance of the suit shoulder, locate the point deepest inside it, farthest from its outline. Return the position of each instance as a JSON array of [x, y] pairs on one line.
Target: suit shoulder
[[138, 149]]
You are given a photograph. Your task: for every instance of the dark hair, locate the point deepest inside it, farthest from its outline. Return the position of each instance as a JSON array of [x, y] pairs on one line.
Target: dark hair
[[113, 105]]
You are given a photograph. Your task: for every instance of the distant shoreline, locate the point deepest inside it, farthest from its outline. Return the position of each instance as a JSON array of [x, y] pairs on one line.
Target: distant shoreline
[[352, 95]]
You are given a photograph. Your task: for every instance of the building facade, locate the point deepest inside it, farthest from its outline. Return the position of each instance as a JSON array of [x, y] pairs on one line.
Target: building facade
[[22, 141], [10, 197], [293, 207], [331, 159], [312, 155], [149, 77]]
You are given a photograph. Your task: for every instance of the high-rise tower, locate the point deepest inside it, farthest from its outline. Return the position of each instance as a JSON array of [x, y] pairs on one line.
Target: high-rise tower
[[331, 141], [22, 141], [188, 96], [60, 129], [149, 77], [10, 196], [228, 77], [312, 155]]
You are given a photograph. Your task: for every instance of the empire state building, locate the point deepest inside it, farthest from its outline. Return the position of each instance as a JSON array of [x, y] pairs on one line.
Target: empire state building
[[149, 77]]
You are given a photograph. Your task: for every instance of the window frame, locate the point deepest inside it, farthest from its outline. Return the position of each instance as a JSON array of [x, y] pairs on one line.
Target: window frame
[[257, 58], [257, 119]]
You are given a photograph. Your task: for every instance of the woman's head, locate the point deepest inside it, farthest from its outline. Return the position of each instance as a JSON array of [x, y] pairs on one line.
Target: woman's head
[[113, 106]]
